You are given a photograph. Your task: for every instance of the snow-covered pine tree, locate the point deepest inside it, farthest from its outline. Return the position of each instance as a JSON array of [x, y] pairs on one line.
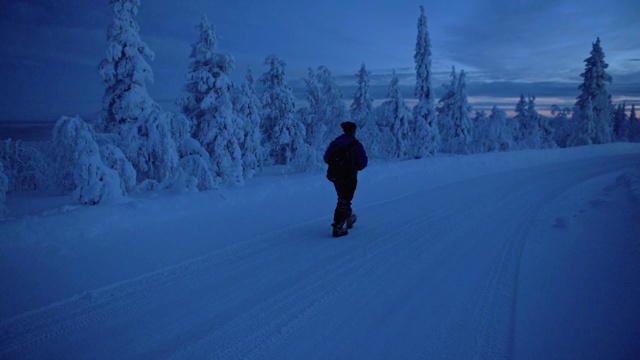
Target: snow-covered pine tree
[[147, 135], [152, 145], [199, 77], [68, 135], [499, 134], [594, 102], [424, 125], [520, 117], [370, 136], [584, 125], [283, 134], [333, 108], [27, 166], [620, 123], [446, 111], [80, 167], [585, 129], [562, 126], [482, 140], [94, 180], [210, 110], [247, 107], [384, 146], [547, 131], [313, 117], [364, 115], [464, 128], [125, 69], [115, 159], [634, 125], [4, 188], [454, 116], [361, 108], [534, 131], [194, 174], [399, 117], [325, 112]]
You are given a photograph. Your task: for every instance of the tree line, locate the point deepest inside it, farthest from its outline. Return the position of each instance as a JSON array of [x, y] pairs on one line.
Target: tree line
[[226, 132]]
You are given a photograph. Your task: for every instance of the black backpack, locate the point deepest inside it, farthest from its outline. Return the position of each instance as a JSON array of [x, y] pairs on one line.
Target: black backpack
[[341, 164]]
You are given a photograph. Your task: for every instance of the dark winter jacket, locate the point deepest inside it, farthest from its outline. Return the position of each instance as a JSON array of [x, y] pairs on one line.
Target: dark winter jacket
[[358, 154]]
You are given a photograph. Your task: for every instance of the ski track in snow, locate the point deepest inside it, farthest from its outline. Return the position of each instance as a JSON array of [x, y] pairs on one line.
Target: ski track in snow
[[436, 283]]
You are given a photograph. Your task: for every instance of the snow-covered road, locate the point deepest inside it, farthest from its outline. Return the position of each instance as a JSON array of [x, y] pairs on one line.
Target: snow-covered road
[[494, 266]]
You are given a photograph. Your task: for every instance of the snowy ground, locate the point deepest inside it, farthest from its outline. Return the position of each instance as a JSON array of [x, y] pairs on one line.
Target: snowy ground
[[524, 255]]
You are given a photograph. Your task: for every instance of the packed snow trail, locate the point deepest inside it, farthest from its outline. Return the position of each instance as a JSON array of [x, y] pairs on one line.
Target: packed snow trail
[[433, 273]]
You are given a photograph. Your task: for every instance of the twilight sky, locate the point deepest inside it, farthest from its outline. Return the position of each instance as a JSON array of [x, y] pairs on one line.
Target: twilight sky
[[51, 48]]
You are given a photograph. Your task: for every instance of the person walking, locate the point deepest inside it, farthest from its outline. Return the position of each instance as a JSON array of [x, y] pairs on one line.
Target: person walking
[[346, 157]]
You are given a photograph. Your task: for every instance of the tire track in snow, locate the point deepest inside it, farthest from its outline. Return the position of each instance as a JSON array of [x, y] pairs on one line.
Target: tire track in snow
[[404, 249], [304, 299], [36, 328], [272, 320], [492, 313]]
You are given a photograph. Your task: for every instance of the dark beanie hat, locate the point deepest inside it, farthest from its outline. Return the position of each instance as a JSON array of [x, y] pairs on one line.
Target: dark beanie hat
[[349, 127]]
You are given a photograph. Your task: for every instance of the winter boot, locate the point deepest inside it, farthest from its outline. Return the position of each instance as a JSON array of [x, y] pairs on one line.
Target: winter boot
[[339, 230], [351, 220]]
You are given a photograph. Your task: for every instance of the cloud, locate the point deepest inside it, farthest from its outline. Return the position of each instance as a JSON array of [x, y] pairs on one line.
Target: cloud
[[505, 47], [524, 40]]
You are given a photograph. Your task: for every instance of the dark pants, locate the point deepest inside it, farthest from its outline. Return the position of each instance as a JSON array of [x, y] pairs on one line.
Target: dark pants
[[345, 191]]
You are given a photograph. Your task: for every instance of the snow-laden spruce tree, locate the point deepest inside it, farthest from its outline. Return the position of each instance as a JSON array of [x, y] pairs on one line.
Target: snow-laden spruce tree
[[282, 132], [446, 110], [593, 105], [464, 128], [454, 116], [79, 166], [332, 107], [115, 159], [148, 136], [364, 115], [547, 131], [399, 118], [247, 107], [4, 188], [199, 78], [370, 136], [620, 123], [69, 136], [361, 108], [313, 118], [501, 138], [325, 113], [210, 110], [585, 127], [563, 127], [482, 141], [520, 118], [125, 69], [384, 146], [425, 119], [152, 144], [94, 180], [27, 166], [534, 131], [193, 173], [634, 125], [626, 127]]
